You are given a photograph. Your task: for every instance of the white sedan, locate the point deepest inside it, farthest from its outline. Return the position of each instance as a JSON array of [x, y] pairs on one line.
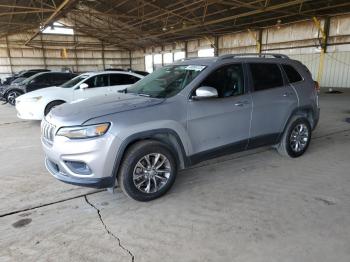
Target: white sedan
[[37, 104]]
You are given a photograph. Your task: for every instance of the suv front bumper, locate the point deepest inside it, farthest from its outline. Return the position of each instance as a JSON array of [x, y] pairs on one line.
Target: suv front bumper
[[98, 155], [87, 182]]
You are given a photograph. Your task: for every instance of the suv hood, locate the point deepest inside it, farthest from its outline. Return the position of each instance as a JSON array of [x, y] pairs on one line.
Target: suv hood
[[77, 113]]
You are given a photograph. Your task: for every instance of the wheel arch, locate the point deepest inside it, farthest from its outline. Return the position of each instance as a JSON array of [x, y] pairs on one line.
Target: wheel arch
[[52, 101], [306, 112], [13, 89], [168, 137]]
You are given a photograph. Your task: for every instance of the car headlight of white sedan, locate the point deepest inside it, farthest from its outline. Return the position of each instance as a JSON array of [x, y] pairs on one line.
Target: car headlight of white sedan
[[79, 132], [29, 99]]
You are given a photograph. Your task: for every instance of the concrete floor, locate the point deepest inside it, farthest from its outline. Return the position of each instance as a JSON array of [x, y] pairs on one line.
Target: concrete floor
[[253, 206]]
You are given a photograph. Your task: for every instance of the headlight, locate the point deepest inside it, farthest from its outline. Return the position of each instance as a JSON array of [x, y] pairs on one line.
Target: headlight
[[79, 132], [35, 98]]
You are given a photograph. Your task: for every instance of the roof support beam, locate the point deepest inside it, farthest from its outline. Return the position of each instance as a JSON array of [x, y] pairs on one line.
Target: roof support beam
[[50, 19]]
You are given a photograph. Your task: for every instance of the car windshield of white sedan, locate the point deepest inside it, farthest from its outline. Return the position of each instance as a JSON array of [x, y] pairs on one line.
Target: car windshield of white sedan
[[166, 81], [74, 81]]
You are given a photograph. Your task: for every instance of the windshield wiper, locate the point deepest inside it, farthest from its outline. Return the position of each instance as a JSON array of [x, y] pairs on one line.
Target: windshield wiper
[[125, 90]]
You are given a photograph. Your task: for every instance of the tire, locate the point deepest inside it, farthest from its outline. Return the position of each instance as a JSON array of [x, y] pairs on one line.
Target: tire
[[12, 95], [135, 180], [296, 138], [51, 105]]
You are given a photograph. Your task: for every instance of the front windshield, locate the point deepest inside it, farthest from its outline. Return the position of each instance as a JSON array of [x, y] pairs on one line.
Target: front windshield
[[74, 81], [166, 81]]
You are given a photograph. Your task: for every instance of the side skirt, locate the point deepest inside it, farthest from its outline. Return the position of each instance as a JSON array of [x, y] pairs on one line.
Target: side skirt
[[265, 140]]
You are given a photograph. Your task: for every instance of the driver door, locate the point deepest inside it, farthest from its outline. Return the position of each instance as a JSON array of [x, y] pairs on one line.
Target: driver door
[[221, 125], [97, 85]]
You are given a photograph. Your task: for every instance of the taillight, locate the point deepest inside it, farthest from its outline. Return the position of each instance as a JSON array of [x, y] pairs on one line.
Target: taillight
[[317, 86]]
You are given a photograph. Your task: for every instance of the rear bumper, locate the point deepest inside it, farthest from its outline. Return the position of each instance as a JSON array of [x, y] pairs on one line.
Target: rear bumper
[[316, 118], [86, 182]]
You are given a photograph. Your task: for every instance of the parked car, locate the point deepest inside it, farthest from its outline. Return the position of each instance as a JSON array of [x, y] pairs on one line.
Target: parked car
[[35, 82], [143, 73], [37, 104], [23, 75], [180, 115]]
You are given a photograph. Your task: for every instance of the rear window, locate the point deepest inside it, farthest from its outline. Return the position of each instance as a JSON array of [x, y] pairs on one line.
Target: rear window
[[292, 74], [123, 79], [266, 76]]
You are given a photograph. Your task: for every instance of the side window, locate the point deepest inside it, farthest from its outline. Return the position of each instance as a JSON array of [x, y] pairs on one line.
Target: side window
[[266, 76], [292, 74], [228, 80], [98, 81], [123, 79], [57, 79], [42, 79]]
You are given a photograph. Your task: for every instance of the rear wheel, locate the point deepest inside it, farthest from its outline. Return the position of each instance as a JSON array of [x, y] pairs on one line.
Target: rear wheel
[[296, 138], [11, 97], [148, 170], [51, 105]]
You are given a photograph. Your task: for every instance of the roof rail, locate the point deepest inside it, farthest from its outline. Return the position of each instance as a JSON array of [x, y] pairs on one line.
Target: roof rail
[[253, 54]]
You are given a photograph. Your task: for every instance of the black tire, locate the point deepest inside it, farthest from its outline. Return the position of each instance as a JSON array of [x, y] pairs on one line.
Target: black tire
[[136, 153], [51, 105], [12, 95], [285, 146]]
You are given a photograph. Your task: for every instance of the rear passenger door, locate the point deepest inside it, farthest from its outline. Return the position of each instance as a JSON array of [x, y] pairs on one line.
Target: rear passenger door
[[121, 81], [273, 102], [39, 82]]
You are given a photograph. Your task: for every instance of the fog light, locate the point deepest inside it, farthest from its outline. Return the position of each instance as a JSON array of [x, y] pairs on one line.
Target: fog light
[[78, 167]]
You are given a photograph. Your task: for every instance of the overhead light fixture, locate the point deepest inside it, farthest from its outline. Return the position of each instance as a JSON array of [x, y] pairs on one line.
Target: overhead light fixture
[[278, 24], [165, 29]]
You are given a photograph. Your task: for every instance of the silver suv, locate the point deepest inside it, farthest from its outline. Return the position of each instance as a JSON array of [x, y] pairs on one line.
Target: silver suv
[[179, 115]]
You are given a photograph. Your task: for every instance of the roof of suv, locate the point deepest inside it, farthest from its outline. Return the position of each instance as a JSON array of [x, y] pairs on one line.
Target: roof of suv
[[238, 57]]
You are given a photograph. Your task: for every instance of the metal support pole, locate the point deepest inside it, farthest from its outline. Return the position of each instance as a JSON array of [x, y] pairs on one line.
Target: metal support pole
[[103, 55], [43, 50], [257, 40], [324, 39], [186, 51], [216, 46], [9, 54], [75, 54], [259, 47], [130, 59]]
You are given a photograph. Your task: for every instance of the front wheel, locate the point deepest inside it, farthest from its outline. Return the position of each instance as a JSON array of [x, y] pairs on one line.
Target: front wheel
[[11, 97], [148, 170], [296, 138]]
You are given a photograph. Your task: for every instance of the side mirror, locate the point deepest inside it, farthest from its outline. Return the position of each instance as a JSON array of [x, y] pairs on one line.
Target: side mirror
[[83, 86], [206, 92]]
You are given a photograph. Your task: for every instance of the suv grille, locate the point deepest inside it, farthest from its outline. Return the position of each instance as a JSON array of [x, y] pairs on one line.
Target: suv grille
[[47, 131]]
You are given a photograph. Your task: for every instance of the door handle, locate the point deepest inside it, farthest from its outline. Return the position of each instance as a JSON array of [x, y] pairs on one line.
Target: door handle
[[241, 103], [287, 94]]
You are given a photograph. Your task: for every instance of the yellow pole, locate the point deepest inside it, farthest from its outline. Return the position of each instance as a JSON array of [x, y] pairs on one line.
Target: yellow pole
[[320, 66], [322, 54], [258, 45]]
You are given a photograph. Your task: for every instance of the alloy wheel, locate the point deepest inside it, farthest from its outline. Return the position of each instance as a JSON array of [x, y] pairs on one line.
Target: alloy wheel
[[299, 138], [11, 97], [151, 173]]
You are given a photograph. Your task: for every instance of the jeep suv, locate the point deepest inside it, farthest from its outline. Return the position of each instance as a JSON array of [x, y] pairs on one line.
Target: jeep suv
[[179, 115]]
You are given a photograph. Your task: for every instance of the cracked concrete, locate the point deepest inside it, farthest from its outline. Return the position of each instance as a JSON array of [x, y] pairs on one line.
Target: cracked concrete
[[108, 230], [253, 206]]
